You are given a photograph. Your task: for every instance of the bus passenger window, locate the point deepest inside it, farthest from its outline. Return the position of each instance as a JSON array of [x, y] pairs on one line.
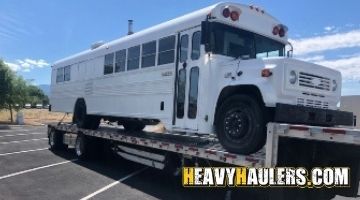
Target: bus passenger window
[[133, 58], [120, 57], [148, 54], [109, 63], [67, 71], [60, 75], [166, 50], [195, 47], [184, 45]]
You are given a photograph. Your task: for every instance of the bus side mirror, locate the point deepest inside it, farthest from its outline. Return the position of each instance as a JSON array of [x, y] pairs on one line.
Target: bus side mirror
[[205, 35]]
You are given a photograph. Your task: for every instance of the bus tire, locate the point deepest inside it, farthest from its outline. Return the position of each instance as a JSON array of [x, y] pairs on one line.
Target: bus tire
[[240, 125], [82, 119], [134, 125]]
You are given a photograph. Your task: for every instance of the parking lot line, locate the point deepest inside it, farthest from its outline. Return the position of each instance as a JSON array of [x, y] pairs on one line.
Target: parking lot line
[[20, 134], [17, 152], [19, 141], [112, 184], [35, 169]]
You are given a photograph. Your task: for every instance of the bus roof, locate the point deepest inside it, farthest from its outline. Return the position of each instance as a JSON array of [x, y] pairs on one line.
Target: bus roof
[[251, 18]]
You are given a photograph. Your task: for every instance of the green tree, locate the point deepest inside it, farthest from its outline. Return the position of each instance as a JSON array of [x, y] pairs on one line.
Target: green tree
[[15, 91]]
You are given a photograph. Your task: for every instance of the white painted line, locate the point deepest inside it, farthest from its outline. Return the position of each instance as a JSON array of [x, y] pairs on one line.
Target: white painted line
[[17, 152], [112, 184], [19, 141], [35, 169], [20, 134]]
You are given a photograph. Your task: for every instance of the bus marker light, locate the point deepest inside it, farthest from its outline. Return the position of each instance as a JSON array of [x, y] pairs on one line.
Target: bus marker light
[[234, 15], [226, 12], [266, 73]]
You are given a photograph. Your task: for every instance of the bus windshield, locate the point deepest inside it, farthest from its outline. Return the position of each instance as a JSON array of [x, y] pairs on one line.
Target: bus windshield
[[238, 43]]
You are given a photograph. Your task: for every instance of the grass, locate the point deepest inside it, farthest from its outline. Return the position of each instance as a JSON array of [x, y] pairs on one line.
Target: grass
[[35, 116]]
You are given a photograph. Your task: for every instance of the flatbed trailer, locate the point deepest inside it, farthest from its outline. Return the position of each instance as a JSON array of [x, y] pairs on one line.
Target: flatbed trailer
[[287, 145]]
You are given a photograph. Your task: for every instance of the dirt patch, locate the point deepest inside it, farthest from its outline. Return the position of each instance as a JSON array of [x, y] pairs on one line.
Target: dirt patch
[[36, 116]]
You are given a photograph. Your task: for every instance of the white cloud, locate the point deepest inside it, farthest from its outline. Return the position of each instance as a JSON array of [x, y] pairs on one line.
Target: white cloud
[[329, 28], [312, 58], [27, 64], [327, 42], [349, 67], [13, 66]]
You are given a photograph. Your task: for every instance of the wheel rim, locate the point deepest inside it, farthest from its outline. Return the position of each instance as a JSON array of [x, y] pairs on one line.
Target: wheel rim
[[51, 138], [236, 124], [78, 147]]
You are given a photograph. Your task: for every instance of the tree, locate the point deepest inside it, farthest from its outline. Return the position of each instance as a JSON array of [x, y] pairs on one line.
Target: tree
[[15, 91], [6, 79]]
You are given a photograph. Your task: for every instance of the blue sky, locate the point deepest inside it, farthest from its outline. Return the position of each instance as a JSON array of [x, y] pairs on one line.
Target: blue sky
[[34, 34]]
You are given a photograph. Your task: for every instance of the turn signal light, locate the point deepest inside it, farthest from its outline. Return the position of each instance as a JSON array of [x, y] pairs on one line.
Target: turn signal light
[[266, 73]]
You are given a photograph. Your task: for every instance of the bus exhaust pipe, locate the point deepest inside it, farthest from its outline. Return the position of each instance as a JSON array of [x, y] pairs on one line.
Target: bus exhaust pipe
[[130, 27]]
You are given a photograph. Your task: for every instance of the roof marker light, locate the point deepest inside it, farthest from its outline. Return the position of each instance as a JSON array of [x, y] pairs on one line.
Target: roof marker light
[[276, 30], [234, 15], [281, 32], [226, 12]]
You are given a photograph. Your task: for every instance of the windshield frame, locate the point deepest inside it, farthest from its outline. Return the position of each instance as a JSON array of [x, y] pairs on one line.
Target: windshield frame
[[252, 39]]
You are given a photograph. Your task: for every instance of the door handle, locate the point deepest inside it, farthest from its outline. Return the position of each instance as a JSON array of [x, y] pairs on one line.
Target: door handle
[[184, 65]]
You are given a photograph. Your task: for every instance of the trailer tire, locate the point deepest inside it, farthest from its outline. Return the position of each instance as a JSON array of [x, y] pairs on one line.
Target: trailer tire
[[134, 126], [82, 119], [240, 125], [82, 147], [55, 140]]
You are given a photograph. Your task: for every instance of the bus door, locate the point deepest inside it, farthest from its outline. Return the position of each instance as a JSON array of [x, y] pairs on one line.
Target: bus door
[[186, 99]]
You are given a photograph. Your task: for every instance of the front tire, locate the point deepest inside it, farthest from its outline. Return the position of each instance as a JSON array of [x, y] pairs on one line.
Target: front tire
[[240, 125]]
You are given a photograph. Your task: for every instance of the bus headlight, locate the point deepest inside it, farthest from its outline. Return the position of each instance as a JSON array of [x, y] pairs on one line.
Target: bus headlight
[[292, 77], [334, 85]]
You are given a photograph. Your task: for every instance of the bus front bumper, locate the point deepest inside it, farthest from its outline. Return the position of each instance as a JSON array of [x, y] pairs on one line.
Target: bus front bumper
[[312, 116]]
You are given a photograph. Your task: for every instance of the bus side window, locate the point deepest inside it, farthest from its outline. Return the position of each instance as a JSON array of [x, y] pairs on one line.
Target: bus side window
[[148, 54], [166, 50], [67, 73], [109, 64], [133, 58], [195, 46], [60, 75], [184, 46], [120, 60]]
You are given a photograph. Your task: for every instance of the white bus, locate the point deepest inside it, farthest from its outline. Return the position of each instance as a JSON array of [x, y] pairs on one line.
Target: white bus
[[222, 69]]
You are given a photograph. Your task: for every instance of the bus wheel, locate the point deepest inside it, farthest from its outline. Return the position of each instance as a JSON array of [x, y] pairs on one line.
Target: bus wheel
[[240, 125], [81, 119], [134, 125]]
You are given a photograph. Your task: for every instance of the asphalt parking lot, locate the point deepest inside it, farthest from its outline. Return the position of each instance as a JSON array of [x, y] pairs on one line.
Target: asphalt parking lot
[[28, 170]]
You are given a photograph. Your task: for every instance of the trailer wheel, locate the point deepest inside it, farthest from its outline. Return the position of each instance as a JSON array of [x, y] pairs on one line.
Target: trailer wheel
[[55, 140], [82, 119], [134, 125], [82, 147], [240, 125]]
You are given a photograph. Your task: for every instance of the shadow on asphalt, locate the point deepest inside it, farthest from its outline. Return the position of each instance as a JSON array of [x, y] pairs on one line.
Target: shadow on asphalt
[[155, 183]]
